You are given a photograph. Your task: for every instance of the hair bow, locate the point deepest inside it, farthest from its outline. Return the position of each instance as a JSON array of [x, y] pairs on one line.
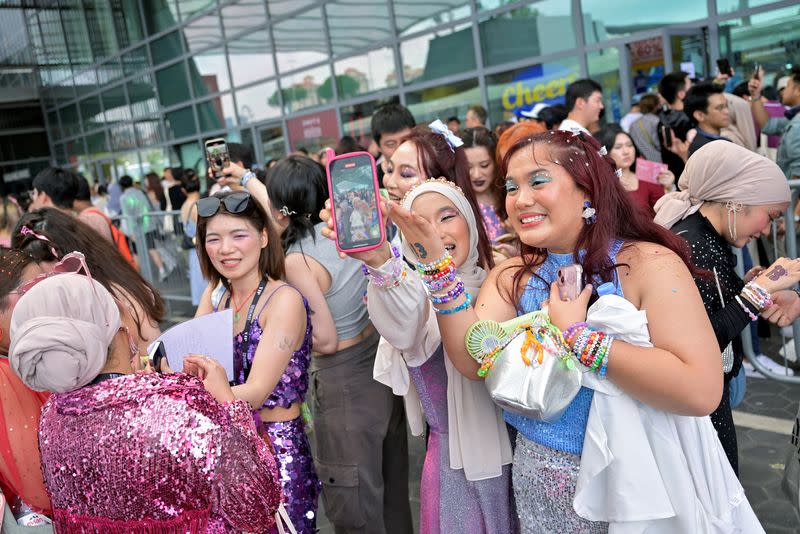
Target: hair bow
[[27, 231], [452, 139]]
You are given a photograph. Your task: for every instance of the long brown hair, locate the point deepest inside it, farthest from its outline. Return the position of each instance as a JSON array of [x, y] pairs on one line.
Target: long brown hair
[[67, 234], [617, 216], [436, 158], [270, 260], [482, 137]]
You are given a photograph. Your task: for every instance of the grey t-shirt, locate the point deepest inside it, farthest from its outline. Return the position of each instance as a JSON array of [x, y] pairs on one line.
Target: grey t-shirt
[[345, 297]]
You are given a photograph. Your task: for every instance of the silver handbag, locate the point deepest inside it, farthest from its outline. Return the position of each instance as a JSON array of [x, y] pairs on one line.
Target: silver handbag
[[727, 353], [527, 366]]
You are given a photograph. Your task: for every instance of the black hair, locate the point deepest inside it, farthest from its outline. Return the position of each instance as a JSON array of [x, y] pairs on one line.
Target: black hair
[[607, 136], [672, 84], [190, 181], [553, 115], [300, 184], [391, 118], [60, 185], [125, 181], [240, 152], [83, 191], [697, 98], [454, 119], [347, 144], [303, 150], [741, 90], [480, 111], [583, 88], [177, 173], [102, 189]]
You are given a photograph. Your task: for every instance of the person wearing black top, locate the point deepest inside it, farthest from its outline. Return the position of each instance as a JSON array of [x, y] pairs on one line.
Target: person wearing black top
[[728, 196]]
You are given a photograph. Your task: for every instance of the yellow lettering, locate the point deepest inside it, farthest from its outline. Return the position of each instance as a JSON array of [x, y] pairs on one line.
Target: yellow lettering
[[555, 88], [518, 94], [538, 92]]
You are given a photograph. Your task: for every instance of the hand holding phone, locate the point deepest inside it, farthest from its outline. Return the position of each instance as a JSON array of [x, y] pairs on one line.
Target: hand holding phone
[[724, 67], [569, 280], [354, 193]]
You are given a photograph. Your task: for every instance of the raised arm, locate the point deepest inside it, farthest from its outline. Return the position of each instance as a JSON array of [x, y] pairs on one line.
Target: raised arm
[[304, 273]]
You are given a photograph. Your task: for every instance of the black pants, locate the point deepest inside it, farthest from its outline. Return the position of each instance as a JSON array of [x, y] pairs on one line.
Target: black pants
[[722, 418]]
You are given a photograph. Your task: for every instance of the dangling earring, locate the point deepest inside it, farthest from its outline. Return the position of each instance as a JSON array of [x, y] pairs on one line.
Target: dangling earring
[[589, 213], [134, 348], [733, 207]]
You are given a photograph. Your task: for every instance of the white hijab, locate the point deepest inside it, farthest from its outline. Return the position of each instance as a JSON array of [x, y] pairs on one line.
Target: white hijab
[[478, 436]]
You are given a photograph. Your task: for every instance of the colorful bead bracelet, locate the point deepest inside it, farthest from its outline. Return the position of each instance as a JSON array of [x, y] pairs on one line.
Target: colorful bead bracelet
[[591, 347], [756, 294], [461, 307], [753, 316], [387, 280], [450, 296], [435, 267]]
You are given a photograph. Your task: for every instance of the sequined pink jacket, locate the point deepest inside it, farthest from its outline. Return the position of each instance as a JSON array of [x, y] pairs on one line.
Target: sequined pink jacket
[[155, 454]]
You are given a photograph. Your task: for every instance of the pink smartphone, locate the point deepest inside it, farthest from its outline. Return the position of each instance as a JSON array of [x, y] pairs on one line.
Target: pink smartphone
[[355, 196], [570, 282]]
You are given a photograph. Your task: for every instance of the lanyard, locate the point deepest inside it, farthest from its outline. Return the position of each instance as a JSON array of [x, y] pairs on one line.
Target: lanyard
[[248, 323]]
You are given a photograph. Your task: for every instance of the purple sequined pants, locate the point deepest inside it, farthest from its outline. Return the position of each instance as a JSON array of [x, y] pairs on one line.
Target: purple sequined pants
[[301, 486]]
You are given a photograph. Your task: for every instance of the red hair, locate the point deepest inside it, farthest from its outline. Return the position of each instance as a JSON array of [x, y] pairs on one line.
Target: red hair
[[435, 158], [617, 216]]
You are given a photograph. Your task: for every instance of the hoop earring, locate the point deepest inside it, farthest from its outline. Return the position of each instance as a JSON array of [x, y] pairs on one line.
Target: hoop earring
[[589, 213], [733, 207]]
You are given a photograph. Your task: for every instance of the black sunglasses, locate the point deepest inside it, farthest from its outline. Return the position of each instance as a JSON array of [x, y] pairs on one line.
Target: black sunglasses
[[234, 203]]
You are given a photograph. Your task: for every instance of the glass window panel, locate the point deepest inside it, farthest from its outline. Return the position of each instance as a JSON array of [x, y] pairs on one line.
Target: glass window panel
[[272, 143], [209, 72], [109, 71], [729, 6], [300, 40], [190, 7], [606, 20], [74, 149], [180, 123], [91, 113], [69, 120], [134, 61], [115, 106], [244, 15], [412, 16], [258, 103], [159, 15], [100, 24], [80, 51], [148, 132], [543, 28], [155, 160], [438, 54], [85, 82], [250, 58], [142, 96], [279, 8], [173, 87], [443, 101], [52, 124], [217, 113], [306, 89], [96, 143], [166, 48], [122, 137], [751, 40], [357, 119], [128, 22], [604, 69], [366, 73], [128, 163], [354, 25], [202, 33], [52, 49], [520, 89], [60, 154]]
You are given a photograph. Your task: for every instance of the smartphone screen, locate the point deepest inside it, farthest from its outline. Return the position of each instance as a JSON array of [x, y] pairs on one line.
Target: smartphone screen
[[354, 193], [724, 67], [217, 154]]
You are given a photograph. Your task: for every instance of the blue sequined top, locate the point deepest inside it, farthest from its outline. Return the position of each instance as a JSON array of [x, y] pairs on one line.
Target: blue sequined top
[[567, 433]]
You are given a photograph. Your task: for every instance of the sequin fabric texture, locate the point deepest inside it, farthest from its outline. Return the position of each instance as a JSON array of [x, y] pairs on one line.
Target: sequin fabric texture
[[155, 454], [301, 486]]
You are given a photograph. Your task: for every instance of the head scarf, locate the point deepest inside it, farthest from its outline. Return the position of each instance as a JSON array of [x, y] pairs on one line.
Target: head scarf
[[742, 130], [61, 330], [721, 171], [470, 273]]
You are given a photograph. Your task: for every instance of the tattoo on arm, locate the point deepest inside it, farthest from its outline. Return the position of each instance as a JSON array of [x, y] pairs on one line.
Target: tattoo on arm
[[285, 344], [421, 252], [776, 273]]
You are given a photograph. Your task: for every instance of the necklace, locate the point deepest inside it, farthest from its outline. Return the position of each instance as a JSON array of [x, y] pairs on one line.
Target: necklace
[[237, 308]]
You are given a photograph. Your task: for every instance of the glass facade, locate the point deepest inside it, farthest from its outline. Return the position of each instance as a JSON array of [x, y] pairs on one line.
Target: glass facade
[[136, 85]]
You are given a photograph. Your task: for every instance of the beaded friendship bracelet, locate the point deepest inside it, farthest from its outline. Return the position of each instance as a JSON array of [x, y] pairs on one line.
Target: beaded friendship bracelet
[[591, 347], [391, 279], [433, 268], [461, 307], [450, 296], [756, 294], [753, 317]]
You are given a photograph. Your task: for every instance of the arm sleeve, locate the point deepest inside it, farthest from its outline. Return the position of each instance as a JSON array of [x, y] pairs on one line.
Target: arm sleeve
[[729, 321], [791, 139], [247, 490], [775, 126], [646, 140]]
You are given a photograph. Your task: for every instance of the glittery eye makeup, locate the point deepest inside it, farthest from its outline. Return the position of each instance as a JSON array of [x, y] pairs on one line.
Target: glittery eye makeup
[[539, 178], [510, 186]]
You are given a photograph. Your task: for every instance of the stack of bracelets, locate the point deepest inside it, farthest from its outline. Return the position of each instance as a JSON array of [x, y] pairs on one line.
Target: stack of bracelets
[[591, 347], [443, 284], [755, 295], [387, 280]]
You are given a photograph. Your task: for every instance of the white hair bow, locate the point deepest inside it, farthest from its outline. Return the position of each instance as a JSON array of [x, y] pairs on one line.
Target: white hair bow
[[441, 128]]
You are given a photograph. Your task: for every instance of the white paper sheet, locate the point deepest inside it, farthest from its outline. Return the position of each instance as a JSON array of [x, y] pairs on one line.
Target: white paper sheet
[[210, 335]]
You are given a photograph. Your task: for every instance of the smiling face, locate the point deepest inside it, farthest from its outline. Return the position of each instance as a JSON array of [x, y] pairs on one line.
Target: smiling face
[[481, 169], [234, 245], [543, 202], [623, 151], [752, 222], [449, 223], [402, 171]]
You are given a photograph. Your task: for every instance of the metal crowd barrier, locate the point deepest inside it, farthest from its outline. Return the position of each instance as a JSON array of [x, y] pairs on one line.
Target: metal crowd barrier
[[159, 234], [789, 246]]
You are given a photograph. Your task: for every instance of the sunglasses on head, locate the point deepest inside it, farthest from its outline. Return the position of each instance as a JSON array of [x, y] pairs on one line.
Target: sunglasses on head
[[74, 262], [234, 203]]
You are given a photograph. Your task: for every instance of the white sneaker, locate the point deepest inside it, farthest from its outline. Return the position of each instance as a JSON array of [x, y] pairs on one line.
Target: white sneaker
[[750, 371], [788, 352], [162, 274], [771, 365]]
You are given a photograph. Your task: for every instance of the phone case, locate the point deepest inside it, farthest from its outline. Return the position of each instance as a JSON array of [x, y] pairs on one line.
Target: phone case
[[570, 282], [349, 155]]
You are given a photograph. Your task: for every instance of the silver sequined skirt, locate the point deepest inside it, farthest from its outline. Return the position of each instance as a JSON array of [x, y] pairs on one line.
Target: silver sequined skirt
[[544, 487]]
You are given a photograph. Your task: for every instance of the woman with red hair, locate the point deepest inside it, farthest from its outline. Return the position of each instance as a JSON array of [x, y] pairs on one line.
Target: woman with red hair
[[567, 207]]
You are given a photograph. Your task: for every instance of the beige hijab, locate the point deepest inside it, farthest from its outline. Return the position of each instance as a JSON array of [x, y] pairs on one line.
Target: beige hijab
[[742, 130], [61, 330], [722, 171]]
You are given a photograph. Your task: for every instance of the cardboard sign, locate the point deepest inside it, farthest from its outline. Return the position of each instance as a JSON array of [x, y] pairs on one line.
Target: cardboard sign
[[648, 171]]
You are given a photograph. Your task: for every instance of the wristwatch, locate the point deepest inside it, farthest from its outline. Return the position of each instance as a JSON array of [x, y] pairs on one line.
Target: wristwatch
[[246, 178]]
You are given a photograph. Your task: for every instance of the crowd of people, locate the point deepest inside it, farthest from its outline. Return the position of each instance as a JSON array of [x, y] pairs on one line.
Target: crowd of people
[[100, 437]]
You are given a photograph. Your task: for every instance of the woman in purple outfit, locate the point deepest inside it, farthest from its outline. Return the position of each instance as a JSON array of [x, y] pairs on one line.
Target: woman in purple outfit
[[272, 335]]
